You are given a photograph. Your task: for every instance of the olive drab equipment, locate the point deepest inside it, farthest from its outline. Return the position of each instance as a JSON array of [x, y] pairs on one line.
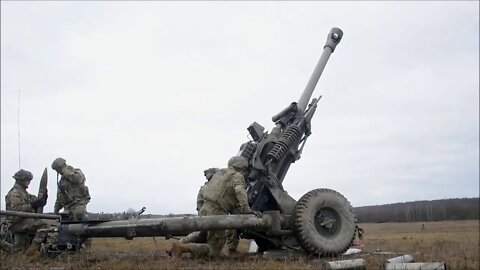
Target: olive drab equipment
[[321, 222], [323, 219]]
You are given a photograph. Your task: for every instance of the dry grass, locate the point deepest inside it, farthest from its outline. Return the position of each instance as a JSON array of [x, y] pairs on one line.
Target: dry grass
[[456, 243], [453, 242]]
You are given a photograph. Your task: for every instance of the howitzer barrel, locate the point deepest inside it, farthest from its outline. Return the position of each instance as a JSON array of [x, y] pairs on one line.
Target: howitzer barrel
[[333, 39], [28, 214], [168, 226]]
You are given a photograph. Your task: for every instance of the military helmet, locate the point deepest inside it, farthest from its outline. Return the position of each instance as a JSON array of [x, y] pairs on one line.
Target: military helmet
[[58, 164], [23, 175], [238, 162]]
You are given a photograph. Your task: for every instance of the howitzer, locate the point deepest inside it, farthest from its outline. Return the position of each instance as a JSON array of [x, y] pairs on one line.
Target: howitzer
[[29, 215], [321, 222], [71, 234]]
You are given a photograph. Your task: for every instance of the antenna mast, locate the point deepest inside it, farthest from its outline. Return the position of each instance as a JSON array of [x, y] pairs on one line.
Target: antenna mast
[[18, 127]]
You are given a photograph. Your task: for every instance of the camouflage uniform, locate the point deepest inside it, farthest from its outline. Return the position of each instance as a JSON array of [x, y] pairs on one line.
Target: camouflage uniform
[[25, 230], [201, 196], [72, 194], [200, 237], [233, 239], [225, 191]]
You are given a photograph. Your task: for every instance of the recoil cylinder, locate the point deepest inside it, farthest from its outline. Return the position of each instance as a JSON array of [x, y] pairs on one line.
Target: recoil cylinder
[[289, 137]]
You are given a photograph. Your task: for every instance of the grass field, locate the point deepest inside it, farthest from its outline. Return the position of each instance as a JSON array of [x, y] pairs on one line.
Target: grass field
[[454, 242]]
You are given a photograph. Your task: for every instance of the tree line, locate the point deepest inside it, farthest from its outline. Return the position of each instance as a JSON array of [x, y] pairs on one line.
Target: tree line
[[417, 211], [129, 214]]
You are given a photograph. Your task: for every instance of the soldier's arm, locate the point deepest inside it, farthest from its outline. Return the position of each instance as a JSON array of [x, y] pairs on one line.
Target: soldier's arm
[[17, 203], [200, 198], [241, 193], [32, 197], [58, 202]]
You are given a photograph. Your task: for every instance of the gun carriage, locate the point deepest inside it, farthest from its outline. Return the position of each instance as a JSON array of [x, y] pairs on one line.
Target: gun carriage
[[321, 222]]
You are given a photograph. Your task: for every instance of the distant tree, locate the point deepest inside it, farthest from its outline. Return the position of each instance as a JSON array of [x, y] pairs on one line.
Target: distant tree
[[436, 210]]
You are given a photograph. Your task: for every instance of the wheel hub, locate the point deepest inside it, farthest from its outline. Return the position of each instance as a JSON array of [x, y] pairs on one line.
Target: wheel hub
[[327, 222]]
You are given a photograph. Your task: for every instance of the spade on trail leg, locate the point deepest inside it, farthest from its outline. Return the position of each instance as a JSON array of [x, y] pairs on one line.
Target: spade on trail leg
[[42, 188]]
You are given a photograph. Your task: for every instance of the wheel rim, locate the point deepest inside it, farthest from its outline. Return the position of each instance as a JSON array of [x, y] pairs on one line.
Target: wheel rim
[[327, 222]]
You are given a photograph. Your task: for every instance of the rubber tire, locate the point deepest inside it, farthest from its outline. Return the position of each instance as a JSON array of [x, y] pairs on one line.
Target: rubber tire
[[312, 241]]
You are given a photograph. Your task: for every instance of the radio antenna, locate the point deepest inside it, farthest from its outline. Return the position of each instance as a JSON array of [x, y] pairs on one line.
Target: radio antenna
[[18, 128]]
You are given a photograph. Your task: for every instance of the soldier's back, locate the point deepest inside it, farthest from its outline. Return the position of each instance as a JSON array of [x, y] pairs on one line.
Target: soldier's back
[[74, 175], [220, 189]]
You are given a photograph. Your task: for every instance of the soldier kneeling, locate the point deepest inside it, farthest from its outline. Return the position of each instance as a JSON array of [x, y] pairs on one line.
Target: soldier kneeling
[[223, 195], [18, 199]]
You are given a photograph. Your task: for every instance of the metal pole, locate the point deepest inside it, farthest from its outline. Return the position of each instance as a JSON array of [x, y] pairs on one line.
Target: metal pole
[[168, 226], [333, 39], [28, 214], [18, 129]]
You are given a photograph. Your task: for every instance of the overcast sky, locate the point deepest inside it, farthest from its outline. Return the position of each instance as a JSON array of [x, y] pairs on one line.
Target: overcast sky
[[143, 96]]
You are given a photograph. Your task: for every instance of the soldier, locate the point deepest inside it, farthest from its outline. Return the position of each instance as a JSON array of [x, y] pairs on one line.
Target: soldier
[[18, 199], [225, 191], [200, 237], [208, 173], [233, 239], [72, 194]]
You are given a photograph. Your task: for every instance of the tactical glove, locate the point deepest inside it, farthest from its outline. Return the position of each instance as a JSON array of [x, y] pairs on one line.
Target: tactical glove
[[42, 201], [38, 203], [256, 213]]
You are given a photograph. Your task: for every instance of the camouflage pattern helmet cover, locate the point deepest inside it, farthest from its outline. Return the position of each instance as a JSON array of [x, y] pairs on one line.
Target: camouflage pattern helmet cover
[[58, 164], [238, 162], [23, 175]]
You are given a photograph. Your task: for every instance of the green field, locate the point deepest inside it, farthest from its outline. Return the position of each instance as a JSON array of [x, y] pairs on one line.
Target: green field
[[454, 242]]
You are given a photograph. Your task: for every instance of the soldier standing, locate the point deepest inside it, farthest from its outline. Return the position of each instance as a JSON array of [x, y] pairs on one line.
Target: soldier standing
[[72, 193], [225, 191], [18, 199]]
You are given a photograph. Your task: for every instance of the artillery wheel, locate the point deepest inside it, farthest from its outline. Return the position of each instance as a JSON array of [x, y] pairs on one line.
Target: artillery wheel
[[324, 222]]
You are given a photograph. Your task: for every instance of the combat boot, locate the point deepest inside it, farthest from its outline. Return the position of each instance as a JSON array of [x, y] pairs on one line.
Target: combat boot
[[178, 249], [33, 250]]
